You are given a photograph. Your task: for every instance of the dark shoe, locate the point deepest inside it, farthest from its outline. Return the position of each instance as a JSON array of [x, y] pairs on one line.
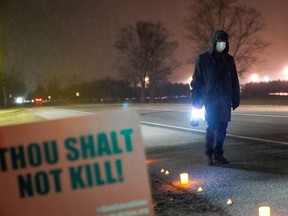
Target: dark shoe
[[210, 160], [221, 160]]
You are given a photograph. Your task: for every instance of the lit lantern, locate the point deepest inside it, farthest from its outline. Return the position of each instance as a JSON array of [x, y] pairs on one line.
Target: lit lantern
[[264, 211], [184, 178]]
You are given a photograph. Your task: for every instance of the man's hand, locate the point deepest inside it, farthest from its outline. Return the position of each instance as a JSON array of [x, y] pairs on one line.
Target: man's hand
[[235, 106]]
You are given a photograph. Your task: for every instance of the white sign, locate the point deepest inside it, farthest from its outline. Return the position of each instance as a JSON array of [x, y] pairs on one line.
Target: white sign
[[81, 166]]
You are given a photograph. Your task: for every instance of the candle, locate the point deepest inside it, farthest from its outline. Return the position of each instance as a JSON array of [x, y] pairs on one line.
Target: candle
[[184, 178], [200, 189], [229, 202], [264, 211]]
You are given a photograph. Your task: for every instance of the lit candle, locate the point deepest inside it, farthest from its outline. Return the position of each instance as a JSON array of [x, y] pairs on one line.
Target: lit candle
[[200, 189], [264, 211], [184, 178], [229, 202]]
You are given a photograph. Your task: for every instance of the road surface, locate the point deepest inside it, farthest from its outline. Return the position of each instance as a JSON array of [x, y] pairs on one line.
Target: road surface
[[256, 145]]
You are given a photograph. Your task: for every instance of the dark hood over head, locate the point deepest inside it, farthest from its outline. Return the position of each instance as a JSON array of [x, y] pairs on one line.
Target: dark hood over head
[[220, 35]]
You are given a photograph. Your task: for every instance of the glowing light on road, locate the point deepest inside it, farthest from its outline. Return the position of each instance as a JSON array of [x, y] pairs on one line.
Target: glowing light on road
[[184, 178], [229, 202], [264, 211], [200, 190]]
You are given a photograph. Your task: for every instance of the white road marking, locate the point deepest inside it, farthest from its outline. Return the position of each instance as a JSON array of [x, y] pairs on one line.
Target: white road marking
[[203, 131], [69, 113], [58, 113], [233, 113], [260, 115]]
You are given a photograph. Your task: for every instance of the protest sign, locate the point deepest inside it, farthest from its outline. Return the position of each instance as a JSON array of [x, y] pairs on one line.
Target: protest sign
[[80, 166]]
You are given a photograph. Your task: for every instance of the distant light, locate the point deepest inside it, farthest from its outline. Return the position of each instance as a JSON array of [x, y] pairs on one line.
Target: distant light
[[279, 93], [266, 79], [125, 105], [19, 100], [254, 78], [286, 73], [39, 101]]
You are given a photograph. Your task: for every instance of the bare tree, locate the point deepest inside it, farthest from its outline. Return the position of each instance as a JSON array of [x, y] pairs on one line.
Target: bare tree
[[145, 52], [54, 88], [2, 74], [242, 23]]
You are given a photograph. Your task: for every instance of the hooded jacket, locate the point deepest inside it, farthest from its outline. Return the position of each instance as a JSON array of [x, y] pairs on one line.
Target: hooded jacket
[[215, 83]]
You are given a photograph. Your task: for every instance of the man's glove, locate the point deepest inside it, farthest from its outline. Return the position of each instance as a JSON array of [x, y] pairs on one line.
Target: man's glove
[[234, 106]]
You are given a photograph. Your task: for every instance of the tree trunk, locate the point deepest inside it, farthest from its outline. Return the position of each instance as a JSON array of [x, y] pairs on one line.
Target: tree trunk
[[142, 92], [151, 92], [4, 96]]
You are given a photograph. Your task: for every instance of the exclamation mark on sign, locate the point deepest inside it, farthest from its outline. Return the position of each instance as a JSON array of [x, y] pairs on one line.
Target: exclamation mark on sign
[[119, 170]]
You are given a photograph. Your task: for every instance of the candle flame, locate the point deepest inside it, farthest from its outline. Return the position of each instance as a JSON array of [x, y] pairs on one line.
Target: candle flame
[[200, 189], [229, 202]]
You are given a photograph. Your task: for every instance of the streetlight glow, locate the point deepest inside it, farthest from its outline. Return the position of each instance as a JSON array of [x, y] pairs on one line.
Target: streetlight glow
[[146, 79], [286, 73], [266, 79], [254, 78]]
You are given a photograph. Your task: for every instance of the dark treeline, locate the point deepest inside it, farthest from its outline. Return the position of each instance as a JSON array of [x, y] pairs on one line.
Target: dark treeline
[[264, 89], [111, 90], [107, 90]]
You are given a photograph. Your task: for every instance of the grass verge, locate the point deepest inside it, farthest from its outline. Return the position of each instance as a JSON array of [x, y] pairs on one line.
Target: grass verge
[[16, 116]]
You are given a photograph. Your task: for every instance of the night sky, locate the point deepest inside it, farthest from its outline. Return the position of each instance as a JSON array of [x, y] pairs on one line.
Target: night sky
[[74, 39]]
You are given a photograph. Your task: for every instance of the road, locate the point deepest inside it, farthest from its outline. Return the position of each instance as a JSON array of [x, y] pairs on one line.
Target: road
[[256, 145]]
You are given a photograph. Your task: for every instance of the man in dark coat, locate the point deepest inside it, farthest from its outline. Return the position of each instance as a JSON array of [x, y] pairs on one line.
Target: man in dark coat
[[215, 86]]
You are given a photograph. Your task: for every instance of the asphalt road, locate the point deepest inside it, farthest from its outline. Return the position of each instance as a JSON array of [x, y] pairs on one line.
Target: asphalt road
[[256, 145]]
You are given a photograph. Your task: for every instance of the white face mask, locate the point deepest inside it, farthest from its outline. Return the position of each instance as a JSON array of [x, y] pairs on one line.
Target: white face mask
[[220, 46]]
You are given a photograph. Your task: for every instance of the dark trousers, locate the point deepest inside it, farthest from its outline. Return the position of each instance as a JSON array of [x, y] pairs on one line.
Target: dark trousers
[[215, 136]]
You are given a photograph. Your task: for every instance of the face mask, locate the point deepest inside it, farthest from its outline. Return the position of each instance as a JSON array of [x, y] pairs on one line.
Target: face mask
[[220, 46]]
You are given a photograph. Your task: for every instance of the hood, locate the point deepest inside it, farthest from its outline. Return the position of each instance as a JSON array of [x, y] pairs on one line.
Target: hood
[[220, 35]]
